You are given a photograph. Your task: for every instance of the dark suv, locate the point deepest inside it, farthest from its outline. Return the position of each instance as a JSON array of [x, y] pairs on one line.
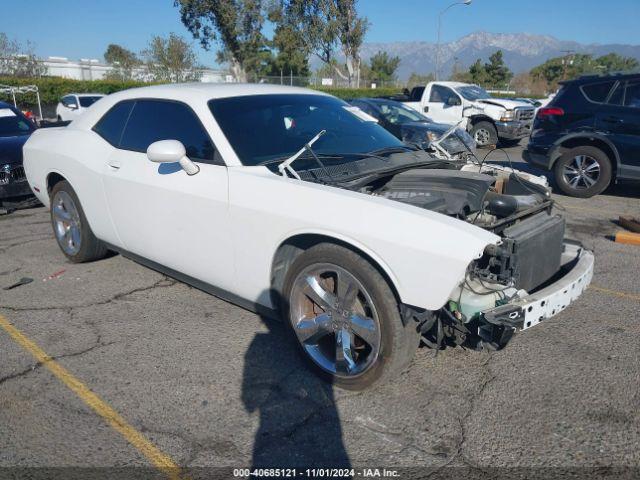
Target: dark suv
[[589, 134]]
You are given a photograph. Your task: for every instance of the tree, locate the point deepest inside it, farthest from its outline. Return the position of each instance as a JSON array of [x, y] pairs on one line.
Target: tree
[[477, 73], [171, 59], [496, 72], [383, 67], [325, 26], [416, 79], [576, 64], [18, 60], [290, 56], [612, 62], [122, 61], [235, 24]]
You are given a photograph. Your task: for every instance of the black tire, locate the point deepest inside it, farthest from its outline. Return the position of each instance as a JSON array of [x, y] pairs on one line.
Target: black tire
[[582, 189], [484, 133], [398, 342], [90, 247], [59, 118]]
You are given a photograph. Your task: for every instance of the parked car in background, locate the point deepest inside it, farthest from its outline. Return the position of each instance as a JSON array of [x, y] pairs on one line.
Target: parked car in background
[[71, 106], [294, 204], [15, 129], [414, 128], [487, 119], [589, 134]]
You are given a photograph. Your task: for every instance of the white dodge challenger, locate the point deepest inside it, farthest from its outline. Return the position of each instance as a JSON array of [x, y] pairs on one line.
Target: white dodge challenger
[[294, 204]]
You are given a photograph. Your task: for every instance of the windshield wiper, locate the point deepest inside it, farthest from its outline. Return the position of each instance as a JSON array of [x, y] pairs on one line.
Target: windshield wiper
[[285, 167], [394, 149]]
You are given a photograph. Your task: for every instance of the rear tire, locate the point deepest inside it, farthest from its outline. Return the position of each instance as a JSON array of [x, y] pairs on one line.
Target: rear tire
[[485, 134], [387, 345], [583, 172], [71, 228]]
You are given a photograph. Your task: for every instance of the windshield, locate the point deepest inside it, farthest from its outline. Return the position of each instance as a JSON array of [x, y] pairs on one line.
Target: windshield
[[473, 92], [88, 101], [261, 128], [397, 113], [12, 124]]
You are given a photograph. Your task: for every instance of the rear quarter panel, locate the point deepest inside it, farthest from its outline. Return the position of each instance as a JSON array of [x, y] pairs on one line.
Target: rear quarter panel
[[79, 156]]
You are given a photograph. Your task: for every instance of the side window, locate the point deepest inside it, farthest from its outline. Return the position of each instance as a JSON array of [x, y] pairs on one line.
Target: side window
[[632, 94], [153, 120], [416, 94], [440, 94], [111, 125], [597, 92]]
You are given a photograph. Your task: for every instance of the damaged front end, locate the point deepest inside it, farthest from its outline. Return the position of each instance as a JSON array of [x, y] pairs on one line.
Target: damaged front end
[[531, 274]]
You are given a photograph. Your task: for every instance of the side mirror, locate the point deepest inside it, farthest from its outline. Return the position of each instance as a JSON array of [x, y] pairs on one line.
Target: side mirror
[[171, 151], [73, 106], [453, 101]]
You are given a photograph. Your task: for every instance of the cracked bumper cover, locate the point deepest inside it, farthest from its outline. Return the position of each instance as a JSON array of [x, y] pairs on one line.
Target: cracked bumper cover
[[525, 312]]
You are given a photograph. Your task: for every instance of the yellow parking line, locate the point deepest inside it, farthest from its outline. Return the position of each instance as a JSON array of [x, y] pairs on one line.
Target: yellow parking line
[[160, 460], [616, 293]]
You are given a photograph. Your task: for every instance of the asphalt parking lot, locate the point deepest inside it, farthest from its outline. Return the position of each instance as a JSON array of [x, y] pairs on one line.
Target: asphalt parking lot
[[208, 384]]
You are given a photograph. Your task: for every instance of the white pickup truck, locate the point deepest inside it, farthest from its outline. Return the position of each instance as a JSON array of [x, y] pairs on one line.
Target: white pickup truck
[[487, 119]]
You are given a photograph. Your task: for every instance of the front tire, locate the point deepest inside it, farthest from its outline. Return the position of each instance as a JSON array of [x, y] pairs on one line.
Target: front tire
[[583, 172], [485, 134], [71, 228], [345, 318]]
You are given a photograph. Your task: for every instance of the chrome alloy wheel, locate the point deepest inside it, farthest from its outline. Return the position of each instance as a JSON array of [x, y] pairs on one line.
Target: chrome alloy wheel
[[582, 172], [66, 222], [482, 136], [335, 320]]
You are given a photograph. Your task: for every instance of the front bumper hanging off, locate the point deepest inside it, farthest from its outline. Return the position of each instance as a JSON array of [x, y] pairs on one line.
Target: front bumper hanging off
[[498, 324]]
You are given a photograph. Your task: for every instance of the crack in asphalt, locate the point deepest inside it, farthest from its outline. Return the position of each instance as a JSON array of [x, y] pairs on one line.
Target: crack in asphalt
[[25, 242], [164, 282], [35, 366]]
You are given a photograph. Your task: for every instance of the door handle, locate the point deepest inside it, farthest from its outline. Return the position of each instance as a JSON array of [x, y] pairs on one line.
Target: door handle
[[613, 120], [114, 164], [426, 109]]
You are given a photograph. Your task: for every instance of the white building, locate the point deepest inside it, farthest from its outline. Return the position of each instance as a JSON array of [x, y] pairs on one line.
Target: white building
[[92, 69]]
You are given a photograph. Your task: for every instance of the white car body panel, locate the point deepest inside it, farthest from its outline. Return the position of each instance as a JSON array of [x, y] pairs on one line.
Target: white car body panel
[[224, 225]]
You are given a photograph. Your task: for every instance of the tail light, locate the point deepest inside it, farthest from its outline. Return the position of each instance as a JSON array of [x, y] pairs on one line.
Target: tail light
[[546, 112]]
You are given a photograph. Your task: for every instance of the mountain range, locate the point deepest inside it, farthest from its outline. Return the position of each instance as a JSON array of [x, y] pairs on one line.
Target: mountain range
[[522, 51]]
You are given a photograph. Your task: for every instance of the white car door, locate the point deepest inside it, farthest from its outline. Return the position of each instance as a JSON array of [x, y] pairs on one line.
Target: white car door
[[445, 105], [161, 213]]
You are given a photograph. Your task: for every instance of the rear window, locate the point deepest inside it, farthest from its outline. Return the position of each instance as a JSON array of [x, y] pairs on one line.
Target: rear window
[[88, 101], [597, 92], [110, 126]]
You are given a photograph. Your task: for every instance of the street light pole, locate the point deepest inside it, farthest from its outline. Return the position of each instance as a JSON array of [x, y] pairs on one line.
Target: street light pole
[[465, 2]]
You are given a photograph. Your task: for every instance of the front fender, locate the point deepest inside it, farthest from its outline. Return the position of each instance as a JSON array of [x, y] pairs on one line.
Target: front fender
[[425, 254]]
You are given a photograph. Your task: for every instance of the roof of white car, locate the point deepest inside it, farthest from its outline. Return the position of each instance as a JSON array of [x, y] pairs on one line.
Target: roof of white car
[[87, 94], [453, 84], [212, 90], [194, 93]]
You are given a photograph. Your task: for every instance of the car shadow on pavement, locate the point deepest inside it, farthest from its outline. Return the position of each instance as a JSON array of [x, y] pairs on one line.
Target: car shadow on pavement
[[299, 422]]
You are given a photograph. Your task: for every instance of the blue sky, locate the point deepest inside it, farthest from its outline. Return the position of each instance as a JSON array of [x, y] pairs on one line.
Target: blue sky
[[83, 28]]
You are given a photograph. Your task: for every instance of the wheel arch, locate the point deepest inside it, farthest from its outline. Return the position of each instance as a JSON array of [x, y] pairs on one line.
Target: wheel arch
[[297, 244], [474, 119], [52, 179], [581, 140]]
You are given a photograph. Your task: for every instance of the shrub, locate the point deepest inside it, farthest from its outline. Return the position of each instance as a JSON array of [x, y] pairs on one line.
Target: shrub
[[53, 88]]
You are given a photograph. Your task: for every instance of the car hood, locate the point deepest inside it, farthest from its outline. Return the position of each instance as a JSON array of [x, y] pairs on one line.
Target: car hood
[[506, 103], [11, 148]]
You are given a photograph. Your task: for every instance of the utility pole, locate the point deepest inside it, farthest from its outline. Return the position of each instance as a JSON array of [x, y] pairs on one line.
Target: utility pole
[[567, 60], [463, 2]]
